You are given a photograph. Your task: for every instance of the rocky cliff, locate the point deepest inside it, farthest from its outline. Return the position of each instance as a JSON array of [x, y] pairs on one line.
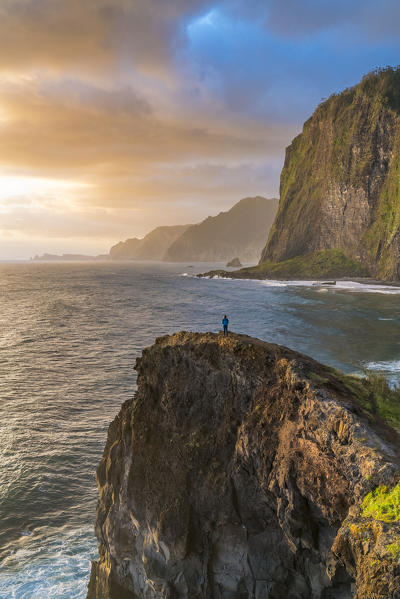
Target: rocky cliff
[[152, 247], [242, 469], [241, 231], [340, 184]]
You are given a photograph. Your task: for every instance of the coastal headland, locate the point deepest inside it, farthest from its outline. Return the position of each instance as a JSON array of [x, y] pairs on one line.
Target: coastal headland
[[242, 469]]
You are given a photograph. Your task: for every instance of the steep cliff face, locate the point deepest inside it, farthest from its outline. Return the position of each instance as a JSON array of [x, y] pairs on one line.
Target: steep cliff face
[[340, 184], [241, 232], [239, 471]]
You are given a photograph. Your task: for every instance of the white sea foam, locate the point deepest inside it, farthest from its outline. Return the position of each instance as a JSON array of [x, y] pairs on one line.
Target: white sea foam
[[46, 569], [351, 286], [389, 366], [366, 287]]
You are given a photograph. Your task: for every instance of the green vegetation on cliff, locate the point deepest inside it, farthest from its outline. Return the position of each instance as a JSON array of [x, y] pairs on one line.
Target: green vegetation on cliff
[[340, 184], [375, 395], [383, 504], [326, 264], [394, 549]]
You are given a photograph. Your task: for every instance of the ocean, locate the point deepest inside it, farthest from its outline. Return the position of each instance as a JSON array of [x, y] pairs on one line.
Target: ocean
[[70, 334]]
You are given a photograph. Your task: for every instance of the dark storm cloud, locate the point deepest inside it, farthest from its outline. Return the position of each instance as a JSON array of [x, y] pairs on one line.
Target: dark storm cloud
[[362, 17], [91, 33]]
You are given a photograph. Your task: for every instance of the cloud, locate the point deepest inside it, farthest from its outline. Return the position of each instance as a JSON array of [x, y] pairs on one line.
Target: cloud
[[309, 17], [114, 136], [163, 112], [95, 34]]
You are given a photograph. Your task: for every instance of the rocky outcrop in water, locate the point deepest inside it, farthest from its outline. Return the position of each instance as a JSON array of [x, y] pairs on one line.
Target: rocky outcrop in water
[[340, 184], [234, 263], [240, 470]]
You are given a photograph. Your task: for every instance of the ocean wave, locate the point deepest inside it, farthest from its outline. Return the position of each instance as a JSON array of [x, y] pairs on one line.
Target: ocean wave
[[388, 366], [46, 568], [351, 286], [60, 392]]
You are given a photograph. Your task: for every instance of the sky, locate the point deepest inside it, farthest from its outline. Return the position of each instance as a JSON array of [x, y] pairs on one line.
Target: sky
[[117, 116]]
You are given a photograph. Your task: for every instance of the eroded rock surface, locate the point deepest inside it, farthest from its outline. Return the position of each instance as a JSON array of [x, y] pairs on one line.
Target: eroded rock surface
[[238, 471]]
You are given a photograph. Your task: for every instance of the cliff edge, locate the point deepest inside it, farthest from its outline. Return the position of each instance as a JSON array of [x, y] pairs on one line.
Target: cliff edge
[[242, 469]]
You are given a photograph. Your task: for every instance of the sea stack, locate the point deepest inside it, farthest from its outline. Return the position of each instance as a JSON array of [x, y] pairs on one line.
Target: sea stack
[[234, 263], [242, 469]]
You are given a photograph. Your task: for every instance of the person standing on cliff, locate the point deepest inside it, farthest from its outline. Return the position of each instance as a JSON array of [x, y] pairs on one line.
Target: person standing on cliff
[[225, 323]]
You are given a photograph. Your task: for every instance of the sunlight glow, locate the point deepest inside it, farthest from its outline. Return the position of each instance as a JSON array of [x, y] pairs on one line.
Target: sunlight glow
[[24, 186], [3, 115]]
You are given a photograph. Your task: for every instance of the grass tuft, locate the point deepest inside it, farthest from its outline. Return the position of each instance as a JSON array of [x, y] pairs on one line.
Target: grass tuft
[[383, 504], [394, 549], [386, 398], [374, 394]]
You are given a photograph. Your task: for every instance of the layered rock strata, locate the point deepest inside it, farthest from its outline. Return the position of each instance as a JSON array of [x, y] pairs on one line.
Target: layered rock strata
[[238, 471]]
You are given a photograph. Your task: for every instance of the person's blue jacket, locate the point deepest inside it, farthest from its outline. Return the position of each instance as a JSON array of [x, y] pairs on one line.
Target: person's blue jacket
[[225, 322]]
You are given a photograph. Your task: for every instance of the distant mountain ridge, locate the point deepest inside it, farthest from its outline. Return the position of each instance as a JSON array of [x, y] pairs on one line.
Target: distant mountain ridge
[[240, 232], [152, 247], [68, 258]]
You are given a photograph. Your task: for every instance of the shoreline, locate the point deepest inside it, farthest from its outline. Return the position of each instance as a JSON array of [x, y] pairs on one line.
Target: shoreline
[[222, 274]]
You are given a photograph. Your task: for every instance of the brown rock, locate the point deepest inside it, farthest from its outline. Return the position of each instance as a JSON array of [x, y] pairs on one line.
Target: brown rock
[[233, 475]]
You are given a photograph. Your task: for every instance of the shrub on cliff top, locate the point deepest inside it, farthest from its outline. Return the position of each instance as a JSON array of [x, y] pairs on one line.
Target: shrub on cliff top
[[386, 398], [383, 504], [373, 392]]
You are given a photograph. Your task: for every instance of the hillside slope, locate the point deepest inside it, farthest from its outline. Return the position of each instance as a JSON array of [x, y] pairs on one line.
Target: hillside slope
[[340, 184], [240, 232]]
